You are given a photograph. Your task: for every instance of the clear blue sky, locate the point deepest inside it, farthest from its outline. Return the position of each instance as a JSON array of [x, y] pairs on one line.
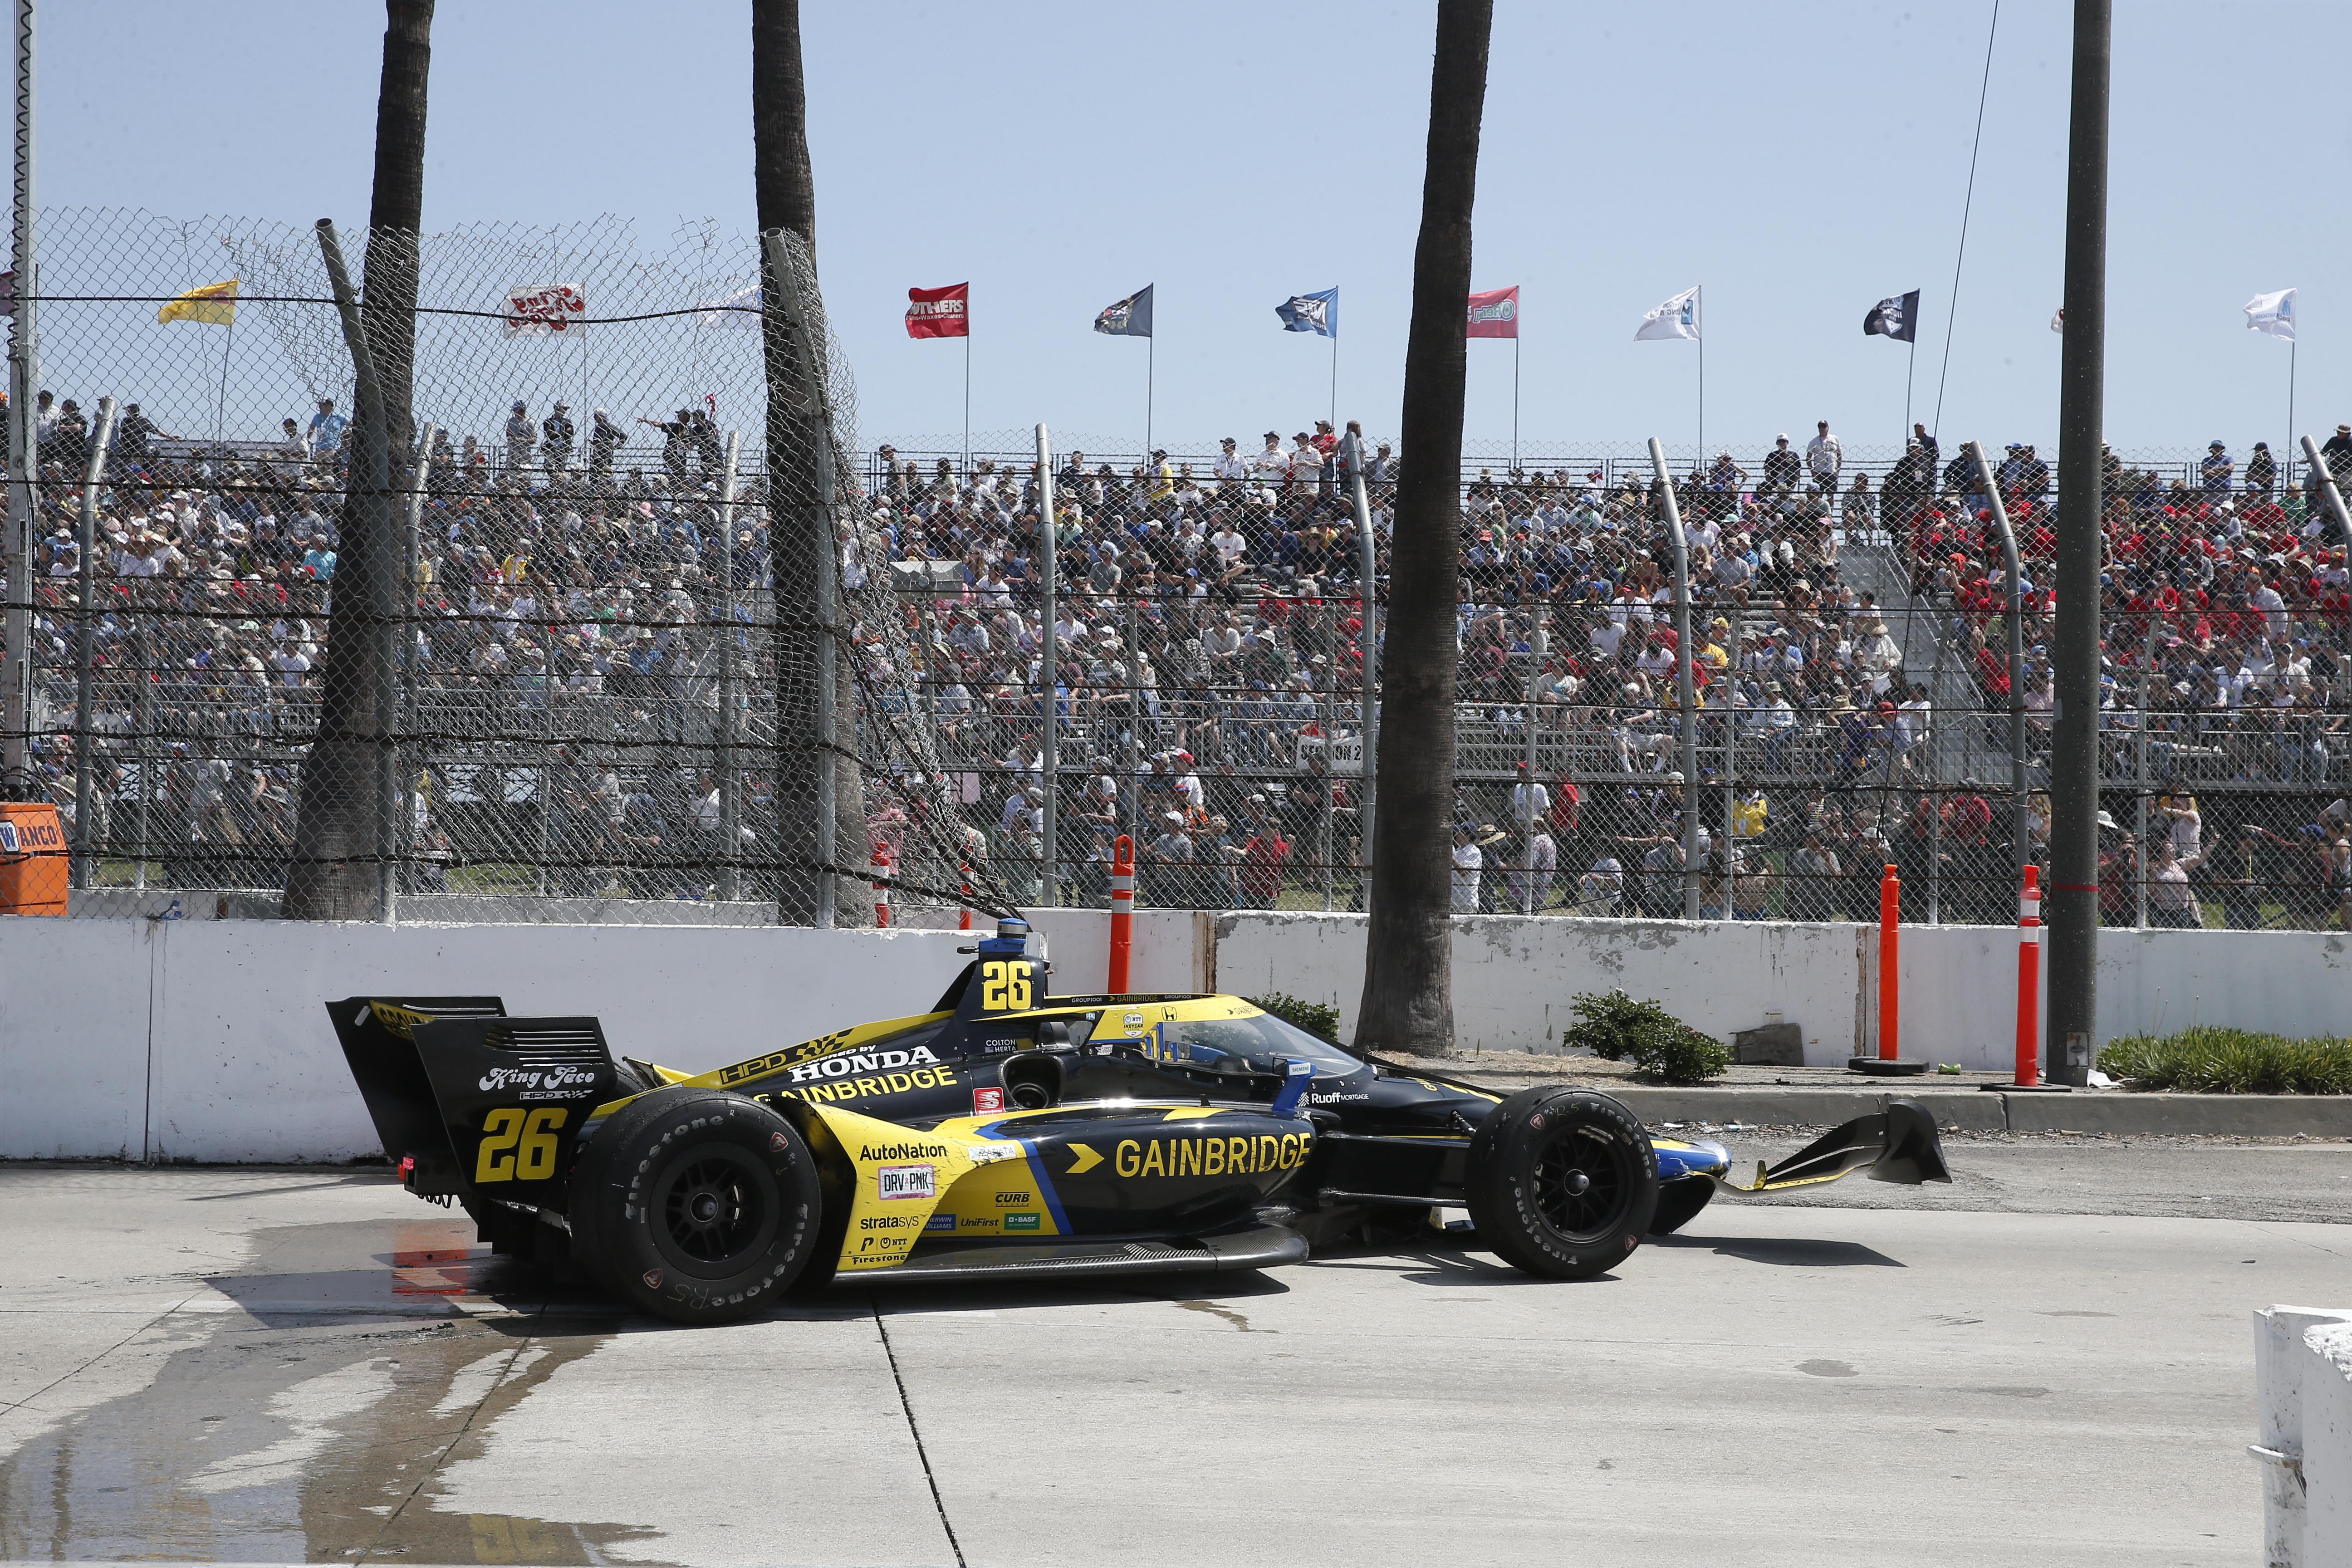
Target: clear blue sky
[[1800, 160]]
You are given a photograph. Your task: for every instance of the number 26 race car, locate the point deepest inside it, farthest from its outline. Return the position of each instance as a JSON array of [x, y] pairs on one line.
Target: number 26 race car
[[1008, 1133]]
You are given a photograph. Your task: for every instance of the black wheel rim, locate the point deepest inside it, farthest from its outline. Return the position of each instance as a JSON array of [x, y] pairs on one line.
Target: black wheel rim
[[713, 1209], [1583, 1183]]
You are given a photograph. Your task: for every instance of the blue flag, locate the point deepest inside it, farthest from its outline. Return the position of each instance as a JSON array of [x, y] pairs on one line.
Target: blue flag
[[1317, 313]]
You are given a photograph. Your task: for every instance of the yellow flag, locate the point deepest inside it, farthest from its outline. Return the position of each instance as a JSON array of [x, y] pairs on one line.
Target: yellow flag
[[214, 302]]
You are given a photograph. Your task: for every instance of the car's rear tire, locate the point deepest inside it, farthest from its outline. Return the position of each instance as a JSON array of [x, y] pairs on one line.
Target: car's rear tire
[[1679, 1201], [696, 1205], [1562, 1182]]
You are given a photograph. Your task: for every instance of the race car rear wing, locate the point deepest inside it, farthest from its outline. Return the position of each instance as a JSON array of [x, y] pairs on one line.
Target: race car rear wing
[[470, 1101]]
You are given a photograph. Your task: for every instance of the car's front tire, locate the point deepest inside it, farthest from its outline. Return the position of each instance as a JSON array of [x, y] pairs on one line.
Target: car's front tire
[[1563, 1182], [696, 1205]]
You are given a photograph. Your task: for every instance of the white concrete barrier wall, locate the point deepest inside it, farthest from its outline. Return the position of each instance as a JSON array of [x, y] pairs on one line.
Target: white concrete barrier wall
[[207, 1040]]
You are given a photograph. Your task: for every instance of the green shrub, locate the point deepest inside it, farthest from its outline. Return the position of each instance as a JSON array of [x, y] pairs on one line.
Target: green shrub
[[1317, 1020], [1619, 1028], [2212, 1059]]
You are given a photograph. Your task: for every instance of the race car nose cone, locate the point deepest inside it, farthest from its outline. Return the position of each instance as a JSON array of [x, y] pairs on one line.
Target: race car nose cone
[[706, 1207], [1577, 1181]]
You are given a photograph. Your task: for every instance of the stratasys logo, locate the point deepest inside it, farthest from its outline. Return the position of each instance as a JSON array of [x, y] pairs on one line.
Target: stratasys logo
[[853, 1062], [555, 1077], [903, 1152]]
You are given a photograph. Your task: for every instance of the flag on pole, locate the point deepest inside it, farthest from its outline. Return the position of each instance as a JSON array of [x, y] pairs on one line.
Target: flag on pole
[[940, 312], [2058, 321], [739, 311], [1129, 318], [2273, 313], [214, 303], [1494, 315], [1317, 313], [1677, 317], [1896, 317]]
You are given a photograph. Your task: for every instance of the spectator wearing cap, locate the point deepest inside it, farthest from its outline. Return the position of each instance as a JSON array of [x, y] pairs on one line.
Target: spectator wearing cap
[[1469, 863], [556, 435], [2216, 472], [1782, 471]]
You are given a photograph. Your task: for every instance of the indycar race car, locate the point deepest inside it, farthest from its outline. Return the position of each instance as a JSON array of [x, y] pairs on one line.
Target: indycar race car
[[1007, 1133]]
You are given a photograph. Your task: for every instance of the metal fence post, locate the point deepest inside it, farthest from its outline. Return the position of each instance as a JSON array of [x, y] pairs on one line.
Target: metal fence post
[[1536, 655], [2016, 616], [1049, 728], [1683, 684], [729, 778], [24, 447], [84, 859], [1368, 647], [2139, 767]]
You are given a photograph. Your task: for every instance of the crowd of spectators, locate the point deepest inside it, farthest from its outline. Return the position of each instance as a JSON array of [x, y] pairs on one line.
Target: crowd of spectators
[[1210, 655]]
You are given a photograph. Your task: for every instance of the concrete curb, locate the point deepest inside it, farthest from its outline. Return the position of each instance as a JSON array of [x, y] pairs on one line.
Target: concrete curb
[[2113, 1112]]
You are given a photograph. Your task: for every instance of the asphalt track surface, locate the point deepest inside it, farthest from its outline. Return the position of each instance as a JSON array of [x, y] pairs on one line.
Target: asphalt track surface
[[287, 1365]]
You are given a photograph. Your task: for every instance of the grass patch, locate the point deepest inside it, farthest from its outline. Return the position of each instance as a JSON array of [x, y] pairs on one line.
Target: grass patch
[[2212, 1059], [1619, 1028]]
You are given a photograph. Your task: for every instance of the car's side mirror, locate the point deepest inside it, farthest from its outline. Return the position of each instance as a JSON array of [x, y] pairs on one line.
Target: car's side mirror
[[1053, 1035]]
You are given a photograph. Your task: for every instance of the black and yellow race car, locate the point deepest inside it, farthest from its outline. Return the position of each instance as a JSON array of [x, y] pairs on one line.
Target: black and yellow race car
[[1011, 1133]]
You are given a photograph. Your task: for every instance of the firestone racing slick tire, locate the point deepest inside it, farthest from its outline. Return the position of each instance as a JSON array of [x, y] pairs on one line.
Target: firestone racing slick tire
[[1679, 1201], [1562, 1182], [695, 1206]]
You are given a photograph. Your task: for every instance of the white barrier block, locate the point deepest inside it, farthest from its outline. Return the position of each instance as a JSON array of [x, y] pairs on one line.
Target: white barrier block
[[2292, 1380]]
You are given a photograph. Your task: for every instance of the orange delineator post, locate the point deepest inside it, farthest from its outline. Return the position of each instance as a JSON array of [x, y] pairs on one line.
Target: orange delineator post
[[881, 863], [1122, 912], [964, 909], [2028, 980], [1890, 967]]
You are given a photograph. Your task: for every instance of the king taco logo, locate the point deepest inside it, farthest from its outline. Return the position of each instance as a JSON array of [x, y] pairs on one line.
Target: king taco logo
[[896, 1181], [555, 1080]]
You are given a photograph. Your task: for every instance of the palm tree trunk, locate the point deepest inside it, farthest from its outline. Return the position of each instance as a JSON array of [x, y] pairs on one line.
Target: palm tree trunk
[[344, 830], [1408, 1000], [801, 528]]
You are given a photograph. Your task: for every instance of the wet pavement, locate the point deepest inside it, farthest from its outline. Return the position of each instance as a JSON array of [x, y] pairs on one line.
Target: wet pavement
[[274, 1365]]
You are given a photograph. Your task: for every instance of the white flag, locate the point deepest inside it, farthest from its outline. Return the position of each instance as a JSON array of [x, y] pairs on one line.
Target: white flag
[[2058, 320], [1677, 317], [2273, 313], [739, 311]]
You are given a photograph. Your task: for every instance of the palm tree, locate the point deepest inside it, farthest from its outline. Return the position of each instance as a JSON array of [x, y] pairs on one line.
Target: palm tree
[[1408, 1001], [338, 871]]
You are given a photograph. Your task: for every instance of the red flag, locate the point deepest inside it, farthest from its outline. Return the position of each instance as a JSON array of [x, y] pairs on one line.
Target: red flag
[[940, 312], [1495, 313]]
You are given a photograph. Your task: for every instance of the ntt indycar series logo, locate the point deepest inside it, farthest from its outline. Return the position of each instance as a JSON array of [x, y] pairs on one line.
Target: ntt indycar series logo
[[850, 1063]]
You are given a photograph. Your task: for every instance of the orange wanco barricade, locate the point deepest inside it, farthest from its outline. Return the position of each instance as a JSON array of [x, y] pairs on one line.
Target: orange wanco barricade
[[33, 864], [1122, 912]]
